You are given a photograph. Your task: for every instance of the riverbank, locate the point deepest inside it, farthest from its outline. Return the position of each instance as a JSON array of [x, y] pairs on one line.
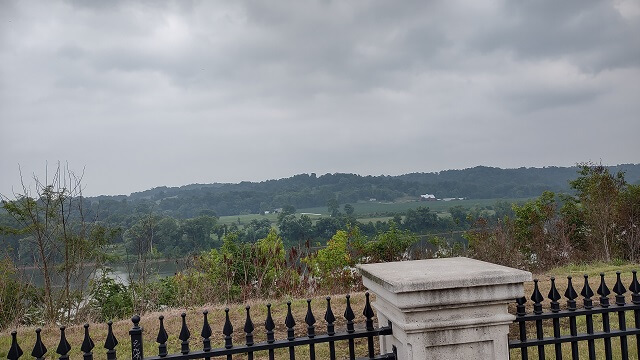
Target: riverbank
[[119, 271]]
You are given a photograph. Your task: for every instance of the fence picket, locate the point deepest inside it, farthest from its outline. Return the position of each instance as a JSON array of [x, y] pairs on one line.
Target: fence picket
[[349, 316], [248, 330], [270, 325], [310, 320], [110, 343], [14, 351], [63, 346], [635, 299], [330, 319], [290, 322], [162, 338], [571, 296], [87, 344]]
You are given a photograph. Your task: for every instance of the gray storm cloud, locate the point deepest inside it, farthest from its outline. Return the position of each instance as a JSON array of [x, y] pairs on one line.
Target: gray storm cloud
[[143, 94]]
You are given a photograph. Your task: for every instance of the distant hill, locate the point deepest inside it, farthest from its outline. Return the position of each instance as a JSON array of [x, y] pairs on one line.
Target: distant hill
[[489, 182], [310, 190]]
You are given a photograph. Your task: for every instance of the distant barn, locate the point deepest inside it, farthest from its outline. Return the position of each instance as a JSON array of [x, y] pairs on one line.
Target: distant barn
[[428, 197]]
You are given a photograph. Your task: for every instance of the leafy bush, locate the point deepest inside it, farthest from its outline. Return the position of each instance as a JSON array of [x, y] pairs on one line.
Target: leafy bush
[[109, 298], [391, 245], [332, 266]]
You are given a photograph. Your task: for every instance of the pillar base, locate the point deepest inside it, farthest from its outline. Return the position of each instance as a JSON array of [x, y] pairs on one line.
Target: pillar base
[[455, 308]]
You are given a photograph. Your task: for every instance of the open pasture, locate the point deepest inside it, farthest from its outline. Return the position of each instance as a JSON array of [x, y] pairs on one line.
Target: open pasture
[[374, 210], [379, 207]]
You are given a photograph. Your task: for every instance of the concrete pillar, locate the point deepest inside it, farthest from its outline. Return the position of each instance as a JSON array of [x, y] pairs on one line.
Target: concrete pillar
[[455, 308]]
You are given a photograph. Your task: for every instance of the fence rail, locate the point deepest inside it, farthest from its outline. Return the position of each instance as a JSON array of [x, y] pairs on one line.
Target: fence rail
[[620, 308], [249, 347]]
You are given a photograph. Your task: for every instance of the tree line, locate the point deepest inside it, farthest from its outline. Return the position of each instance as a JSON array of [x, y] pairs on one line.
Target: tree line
[[600, 221], [310, 190]]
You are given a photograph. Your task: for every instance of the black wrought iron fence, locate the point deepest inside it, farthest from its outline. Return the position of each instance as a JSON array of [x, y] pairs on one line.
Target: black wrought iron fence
[[572, 312], [249, 348]]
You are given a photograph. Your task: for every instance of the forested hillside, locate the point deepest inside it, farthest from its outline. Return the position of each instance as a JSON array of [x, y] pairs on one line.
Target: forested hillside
[[291, 252], [309, 190]]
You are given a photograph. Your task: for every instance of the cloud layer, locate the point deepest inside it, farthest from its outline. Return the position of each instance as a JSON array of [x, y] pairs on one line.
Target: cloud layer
[[169, 93]]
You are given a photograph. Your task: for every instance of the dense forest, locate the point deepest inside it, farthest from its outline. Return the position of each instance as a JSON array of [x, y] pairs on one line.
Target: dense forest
[[309, 190]]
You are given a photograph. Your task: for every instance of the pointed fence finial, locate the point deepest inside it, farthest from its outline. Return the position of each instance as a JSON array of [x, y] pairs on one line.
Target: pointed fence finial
[[368, 312], [248, 327], [269, 325], [162, 338], [604, 292], [635, 288], [571, 295], [587, 293], [206, 332], [349, 315], [111, 342], [554, 296], [185, 334], [537, 298], [63, 346], [329, 318], [39, 350], [310, 320], [87, 344], [620, 290], [227, 330], [15, 351], [290, 322]]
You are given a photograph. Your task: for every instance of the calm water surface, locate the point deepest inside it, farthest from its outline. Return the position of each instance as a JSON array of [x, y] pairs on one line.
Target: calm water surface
[[119, 272]]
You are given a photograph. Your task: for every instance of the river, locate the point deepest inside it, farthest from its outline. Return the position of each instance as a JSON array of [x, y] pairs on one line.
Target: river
[[118, 272]]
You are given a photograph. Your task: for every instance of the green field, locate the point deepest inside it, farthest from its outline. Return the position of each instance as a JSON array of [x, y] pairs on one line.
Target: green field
[[375, 210], [245, 219], [378, 207]]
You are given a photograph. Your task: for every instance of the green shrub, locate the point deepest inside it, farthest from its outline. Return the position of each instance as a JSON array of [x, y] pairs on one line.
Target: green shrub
[[391, 245], [109, 298]]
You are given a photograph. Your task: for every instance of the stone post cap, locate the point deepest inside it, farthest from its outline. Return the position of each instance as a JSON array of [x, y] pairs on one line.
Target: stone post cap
[[440, 274]]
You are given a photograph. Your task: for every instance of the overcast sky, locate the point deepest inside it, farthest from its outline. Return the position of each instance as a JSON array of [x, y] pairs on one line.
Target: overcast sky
[[151, 93]]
